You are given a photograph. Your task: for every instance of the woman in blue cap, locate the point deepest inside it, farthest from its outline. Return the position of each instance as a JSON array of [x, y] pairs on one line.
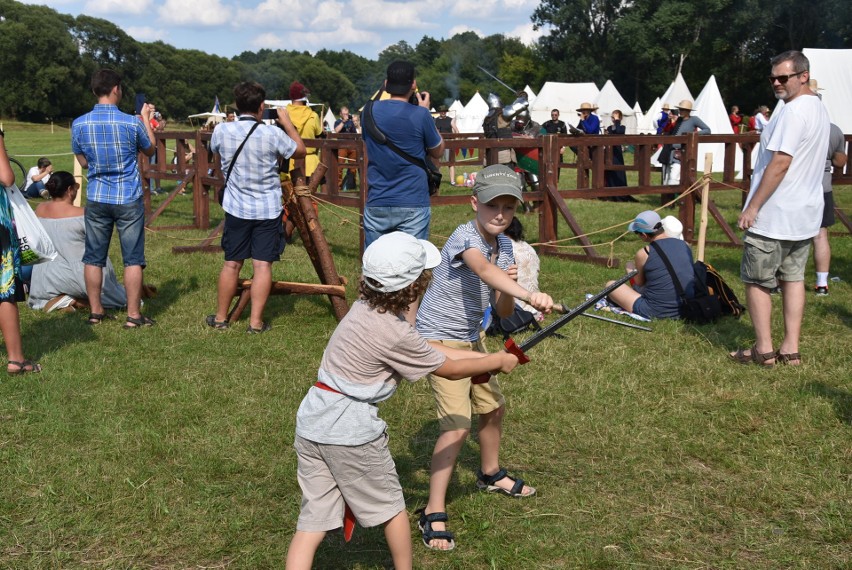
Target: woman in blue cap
[[653, 294]]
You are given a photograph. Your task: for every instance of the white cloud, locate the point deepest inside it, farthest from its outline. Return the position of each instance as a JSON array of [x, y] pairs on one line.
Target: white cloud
[[277, 14], [313, 41], [146, 33], [134, 7], [193, 12], [397, 16], [526, 34]]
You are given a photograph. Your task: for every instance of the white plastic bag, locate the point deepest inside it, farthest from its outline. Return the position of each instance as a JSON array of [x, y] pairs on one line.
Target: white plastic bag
[[35, 244]]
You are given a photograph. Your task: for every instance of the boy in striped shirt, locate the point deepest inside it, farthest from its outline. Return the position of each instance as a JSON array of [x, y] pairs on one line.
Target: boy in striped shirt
[[476, 264]]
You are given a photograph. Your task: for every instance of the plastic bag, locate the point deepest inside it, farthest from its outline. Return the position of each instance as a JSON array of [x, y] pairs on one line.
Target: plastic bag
[[35, 244]]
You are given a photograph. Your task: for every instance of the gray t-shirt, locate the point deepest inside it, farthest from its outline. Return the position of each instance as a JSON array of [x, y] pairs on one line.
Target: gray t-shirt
[[454, 304], [836, 143], [365, 358]]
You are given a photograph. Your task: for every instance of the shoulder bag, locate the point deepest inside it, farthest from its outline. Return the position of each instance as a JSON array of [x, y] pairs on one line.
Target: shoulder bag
[[702, 308]]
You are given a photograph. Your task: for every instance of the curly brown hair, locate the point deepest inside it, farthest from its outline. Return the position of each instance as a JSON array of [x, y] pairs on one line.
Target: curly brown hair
[[397, 302]]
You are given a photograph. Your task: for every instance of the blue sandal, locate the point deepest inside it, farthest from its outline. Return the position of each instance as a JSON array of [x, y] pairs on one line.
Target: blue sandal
[[486, 483], [425, 526]]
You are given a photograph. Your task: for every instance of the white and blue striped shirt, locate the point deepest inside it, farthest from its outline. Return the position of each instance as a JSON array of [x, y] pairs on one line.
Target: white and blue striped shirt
[[454, 304], [253, 191]]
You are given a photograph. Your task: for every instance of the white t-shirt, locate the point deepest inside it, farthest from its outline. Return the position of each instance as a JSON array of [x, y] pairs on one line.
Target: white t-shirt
[[794, 211], [34, 172], [760, 122]]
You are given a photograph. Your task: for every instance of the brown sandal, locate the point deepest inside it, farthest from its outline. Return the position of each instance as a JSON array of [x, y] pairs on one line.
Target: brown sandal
[[787, 359], [754, 356]]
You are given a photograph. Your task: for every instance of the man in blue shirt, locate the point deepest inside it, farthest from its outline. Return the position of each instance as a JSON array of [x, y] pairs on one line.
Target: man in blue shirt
[[398, 194], [107, 142]]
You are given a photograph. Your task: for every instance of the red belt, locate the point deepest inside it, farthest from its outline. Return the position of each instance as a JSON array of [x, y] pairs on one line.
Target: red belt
[[327, 388]]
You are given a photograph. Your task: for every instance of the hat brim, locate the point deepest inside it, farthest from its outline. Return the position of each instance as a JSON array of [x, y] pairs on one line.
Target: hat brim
[[433, 255]]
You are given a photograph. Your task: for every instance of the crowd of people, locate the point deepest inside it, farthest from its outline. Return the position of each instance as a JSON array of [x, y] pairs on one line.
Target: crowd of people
[[420, 310]]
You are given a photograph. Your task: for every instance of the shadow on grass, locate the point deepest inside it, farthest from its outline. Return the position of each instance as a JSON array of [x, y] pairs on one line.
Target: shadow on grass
[[168, 293], [840, 399]]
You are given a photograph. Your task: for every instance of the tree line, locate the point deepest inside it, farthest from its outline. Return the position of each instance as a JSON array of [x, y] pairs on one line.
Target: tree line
[[48, 57]]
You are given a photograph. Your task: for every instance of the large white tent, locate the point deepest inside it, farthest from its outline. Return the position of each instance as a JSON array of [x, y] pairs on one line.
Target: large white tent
[[530, 94], [455, 109], [710, 108], [832, 68], [648, 124], [677, 92], [640, 117], [471, 117], [610, 99], [563, 96]]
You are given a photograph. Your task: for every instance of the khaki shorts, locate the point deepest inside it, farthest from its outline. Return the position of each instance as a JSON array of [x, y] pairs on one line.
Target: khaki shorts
[[364, 475], [766, 260], [457, 400]]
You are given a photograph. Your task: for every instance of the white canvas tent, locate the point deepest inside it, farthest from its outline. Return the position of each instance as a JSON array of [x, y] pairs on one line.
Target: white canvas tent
[[213, 117], [710, 108], [677, 92], [648, 125], [530, 94], [640, 117], [471, 117], [832, 68], [610, 99], [563, 96], [328, 120], [456, 108]]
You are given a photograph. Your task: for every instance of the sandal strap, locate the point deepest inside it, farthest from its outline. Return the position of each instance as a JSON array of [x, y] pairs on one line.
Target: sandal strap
[[517, 487], [432, 517], [761, 358], [785, 358], [430, 535], [491, 479]]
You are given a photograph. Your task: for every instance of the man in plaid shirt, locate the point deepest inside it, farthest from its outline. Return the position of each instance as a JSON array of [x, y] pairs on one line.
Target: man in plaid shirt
[[107, 142]]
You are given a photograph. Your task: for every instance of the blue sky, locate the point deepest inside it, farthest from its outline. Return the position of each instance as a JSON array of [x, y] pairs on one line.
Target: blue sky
[[365, 27]]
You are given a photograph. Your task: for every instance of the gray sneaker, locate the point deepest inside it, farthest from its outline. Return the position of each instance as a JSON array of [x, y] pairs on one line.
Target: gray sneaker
[[45, 194]]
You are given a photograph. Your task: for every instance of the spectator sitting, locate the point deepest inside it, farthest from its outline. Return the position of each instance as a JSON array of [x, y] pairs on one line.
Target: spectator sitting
[[60, 284], [37, 178], [528, 265], [655, 295]]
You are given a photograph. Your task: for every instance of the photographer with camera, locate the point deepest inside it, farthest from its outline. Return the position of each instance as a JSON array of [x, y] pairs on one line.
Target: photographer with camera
[[398, 191]]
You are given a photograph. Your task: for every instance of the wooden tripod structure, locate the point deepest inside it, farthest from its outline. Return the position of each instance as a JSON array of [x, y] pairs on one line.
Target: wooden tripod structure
[[297, 196]]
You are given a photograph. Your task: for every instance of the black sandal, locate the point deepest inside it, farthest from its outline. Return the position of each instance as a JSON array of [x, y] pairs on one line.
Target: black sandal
[[425, 526], [787, 359], [218, 325], [264, 327], [486, 483], [98, 318], [24, 367], [138, 323]]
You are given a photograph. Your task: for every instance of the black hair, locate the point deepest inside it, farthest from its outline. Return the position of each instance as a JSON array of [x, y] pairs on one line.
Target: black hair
[[103, 82], [43, 162], [515, 230], [59, 183], [249, 95]]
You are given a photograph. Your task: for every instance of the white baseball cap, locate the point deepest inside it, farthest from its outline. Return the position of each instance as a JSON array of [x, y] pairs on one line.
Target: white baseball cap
[[396, 260], [672, 227]]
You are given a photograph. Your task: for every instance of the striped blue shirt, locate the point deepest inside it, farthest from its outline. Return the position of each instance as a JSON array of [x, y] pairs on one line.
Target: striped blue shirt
[[110, 140], [254, 188], [454, 304]]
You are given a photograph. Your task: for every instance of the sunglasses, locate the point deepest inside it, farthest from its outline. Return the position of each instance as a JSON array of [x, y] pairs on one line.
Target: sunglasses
[[783, 79]]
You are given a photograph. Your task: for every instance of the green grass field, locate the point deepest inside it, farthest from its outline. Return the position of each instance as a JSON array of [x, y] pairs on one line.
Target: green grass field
[[171, 447]]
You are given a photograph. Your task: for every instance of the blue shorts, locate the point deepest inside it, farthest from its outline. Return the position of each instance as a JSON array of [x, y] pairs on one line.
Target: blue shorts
[[261, 240], [380, 220], [128, 219]]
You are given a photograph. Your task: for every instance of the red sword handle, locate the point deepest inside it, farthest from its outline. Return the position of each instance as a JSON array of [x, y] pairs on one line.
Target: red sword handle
[[510, 347]]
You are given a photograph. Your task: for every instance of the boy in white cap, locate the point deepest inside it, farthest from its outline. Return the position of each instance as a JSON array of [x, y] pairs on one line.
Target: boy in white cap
[[654, 295], [337, 425], [477, 264]]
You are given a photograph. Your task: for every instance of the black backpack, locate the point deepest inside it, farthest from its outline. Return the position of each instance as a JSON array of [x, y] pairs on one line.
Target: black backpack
[[519, 320], [716, 286], [704, 306]]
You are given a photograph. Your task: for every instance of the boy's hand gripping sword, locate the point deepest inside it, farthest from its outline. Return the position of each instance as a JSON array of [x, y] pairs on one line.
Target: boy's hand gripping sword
[[549, 330]]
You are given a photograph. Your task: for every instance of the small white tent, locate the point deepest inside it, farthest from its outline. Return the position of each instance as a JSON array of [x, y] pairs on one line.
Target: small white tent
[[456, 108], [530, 94], [832, 68], [640, 118], [328, 120], [563, 96], [610, 99], [677, 92], [471, 117], [648, 126], [710, 108]]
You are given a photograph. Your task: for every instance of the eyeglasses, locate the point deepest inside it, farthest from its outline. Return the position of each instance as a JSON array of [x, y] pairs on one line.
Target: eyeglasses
[[783, 79]]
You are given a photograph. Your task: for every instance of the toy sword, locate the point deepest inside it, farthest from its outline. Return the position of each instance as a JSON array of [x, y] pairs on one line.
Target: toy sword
[[549, 330]]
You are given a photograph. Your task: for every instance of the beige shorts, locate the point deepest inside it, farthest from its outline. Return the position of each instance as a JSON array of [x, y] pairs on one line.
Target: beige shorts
[[766, 260], [364, 475], [457, 400]]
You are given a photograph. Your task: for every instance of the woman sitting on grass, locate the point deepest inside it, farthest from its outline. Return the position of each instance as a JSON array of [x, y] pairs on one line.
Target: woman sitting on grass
[[59, 284], [654, 295]]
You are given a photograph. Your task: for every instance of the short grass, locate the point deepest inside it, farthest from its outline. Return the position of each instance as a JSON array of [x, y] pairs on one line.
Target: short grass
[[171, 447]]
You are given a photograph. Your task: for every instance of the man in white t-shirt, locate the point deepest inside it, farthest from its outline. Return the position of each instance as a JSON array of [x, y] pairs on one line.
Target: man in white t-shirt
[[783, 210], [37, 178]]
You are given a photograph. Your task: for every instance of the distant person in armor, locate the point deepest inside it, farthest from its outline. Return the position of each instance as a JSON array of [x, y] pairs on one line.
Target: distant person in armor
[[446, 124]]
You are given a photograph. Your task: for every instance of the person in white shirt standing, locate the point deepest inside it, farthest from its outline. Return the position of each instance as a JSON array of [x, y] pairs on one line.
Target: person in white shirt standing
[[783, 210]]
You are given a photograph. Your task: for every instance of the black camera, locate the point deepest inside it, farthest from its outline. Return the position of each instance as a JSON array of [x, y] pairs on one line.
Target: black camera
[[270, 114]]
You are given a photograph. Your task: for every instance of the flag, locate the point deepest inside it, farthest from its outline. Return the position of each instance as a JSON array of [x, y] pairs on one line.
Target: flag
[[216, 105]]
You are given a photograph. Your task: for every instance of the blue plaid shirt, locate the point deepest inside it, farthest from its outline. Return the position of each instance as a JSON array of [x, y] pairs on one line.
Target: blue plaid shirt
[[110, 140], [253, 191]]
